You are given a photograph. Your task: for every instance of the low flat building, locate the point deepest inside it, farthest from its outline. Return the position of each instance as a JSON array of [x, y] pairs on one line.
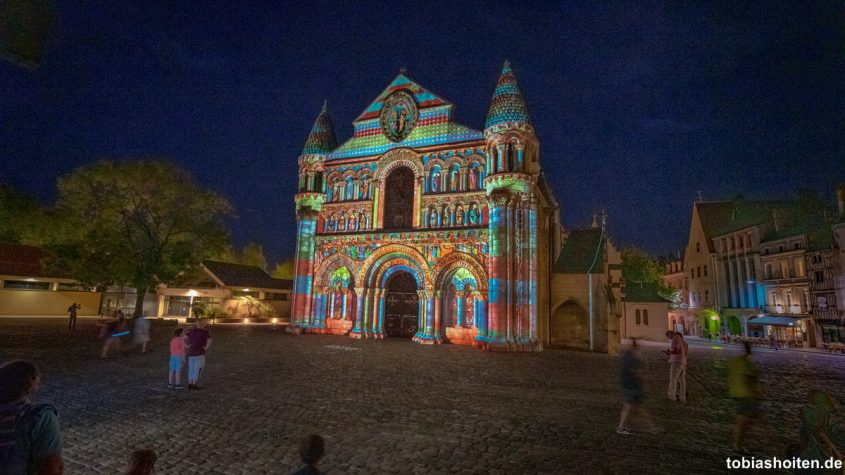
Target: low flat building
[[29, 288], [232, 288]]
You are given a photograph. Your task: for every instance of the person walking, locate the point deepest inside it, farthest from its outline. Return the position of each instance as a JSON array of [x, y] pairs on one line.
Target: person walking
[[141, 332], [177, 357], [311, 450], [30, 440], [197, 342], [744, 388], [631, 385], [677, 366], [111, 333], [71, 311], [816, 434]]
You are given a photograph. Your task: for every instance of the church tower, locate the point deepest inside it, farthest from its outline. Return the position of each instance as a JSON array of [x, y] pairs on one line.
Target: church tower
[[309, 202], [512, 197]]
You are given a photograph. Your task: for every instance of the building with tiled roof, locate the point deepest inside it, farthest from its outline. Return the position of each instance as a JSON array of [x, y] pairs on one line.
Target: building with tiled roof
[[228, 287]]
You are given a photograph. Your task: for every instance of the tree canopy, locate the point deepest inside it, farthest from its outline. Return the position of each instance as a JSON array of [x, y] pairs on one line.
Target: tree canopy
[[136, 223], [284, 269]]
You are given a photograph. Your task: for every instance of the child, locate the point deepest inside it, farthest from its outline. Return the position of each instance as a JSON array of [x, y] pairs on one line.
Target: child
[[177, 356]]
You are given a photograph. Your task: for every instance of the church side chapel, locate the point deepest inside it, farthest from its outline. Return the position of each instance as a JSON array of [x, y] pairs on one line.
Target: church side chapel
[[418, 227]]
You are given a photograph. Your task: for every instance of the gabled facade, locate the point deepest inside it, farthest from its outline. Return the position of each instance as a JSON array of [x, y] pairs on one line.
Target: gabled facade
[[420, 227]]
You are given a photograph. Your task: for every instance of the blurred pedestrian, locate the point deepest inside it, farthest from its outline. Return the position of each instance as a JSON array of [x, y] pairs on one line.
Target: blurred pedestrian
[[30, 440], [631, 385], [745, 389], [177, 358], [110, 334], [677, 366], [142, 462], [197, 342], [71, 311], [141, 332], [311, 450]]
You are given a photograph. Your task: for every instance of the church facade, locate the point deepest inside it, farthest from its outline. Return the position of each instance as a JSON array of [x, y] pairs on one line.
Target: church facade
[[418, 227]]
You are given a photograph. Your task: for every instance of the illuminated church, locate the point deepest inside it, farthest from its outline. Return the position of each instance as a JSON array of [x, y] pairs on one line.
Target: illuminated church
[[419, 227]]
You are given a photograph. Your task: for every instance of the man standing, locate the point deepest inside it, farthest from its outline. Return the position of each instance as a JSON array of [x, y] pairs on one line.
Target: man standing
[[30, 441], [71, 311], [197, 343], [677, 367]]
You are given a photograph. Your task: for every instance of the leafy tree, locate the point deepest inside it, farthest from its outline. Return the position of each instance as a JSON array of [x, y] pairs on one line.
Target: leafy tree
[[253, 255], [136, 223], [284, 269], [640, 269], [23, 218]]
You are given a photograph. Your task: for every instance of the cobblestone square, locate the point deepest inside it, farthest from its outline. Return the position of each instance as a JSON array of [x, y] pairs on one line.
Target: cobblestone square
[[396, 407]]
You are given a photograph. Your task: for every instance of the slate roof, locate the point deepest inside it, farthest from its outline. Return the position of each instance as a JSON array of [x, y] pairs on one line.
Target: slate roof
[[722, 217], [578, 253], [643, 293], [507, 104], [25, 261], [322, 139], [239, 275]]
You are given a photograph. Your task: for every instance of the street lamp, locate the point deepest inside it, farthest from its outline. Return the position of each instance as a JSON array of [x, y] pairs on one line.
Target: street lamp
[[191, 293]]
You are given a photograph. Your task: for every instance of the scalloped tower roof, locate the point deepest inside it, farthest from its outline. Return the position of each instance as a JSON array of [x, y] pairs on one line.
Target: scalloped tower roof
[[321, 140], [507, 104]]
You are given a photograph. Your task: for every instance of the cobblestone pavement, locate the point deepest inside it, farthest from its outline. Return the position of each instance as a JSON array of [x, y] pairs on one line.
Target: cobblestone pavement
[[395, 407]]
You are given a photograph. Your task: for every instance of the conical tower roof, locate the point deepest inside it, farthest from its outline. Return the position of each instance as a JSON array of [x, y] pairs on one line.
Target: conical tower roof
[[321, 140], [507, 104]]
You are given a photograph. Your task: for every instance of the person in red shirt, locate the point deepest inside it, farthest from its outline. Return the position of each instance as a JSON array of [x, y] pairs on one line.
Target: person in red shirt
[[177, 357], [197, 343]]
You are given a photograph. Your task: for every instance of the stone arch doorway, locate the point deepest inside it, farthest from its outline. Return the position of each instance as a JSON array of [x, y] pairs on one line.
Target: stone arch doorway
[[570, 326], [399, 199], [401, 306]]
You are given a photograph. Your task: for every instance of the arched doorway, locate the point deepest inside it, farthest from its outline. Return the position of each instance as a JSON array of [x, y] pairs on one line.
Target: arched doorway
[[401, 306], [570, 326], [399, 199], [734, 326]]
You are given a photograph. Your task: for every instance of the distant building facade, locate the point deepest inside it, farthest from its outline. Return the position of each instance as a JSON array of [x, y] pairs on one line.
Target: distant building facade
[[29, 288]]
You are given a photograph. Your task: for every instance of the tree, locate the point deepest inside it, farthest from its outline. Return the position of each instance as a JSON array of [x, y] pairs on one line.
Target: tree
[[136, 223], [284, 269], [640, 269], [23, 218], [253, 255]]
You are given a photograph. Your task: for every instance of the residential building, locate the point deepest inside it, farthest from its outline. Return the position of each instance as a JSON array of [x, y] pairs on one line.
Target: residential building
[[680, 317], [646, 313]]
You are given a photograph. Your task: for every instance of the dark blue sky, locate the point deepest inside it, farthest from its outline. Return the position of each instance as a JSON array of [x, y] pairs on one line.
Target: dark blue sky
[[638, 106]]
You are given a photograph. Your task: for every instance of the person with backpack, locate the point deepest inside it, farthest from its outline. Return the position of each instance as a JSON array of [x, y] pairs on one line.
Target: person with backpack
[[30, 440]]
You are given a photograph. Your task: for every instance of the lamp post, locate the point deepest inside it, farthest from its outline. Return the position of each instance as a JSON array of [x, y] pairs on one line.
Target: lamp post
[[191, 293]]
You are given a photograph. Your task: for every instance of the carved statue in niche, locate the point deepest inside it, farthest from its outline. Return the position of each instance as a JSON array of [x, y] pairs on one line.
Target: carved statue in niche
[[352, 222], [336, 194], [361, 223], [453, 181], [473, 214], [459, 216], [435, 182], [432, 218], [473, 178], [398, 116], [364, 188], [445, 216], [350, 190]]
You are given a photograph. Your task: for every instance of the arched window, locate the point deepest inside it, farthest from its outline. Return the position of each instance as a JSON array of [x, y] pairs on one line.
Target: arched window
[[645, 317], [399, 199], [638, 316]]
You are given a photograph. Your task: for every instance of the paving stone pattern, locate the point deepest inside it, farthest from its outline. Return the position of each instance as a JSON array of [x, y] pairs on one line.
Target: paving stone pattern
[[396, 407]]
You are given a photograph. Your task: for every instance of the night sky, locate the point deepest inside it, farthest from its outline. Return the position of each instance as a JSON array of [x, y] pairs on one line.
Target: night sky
[[637, 106]]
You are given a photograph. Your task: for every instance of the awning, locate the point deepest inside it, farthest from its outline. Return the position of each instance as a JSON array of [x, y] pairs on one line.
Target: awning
[[777, 321]]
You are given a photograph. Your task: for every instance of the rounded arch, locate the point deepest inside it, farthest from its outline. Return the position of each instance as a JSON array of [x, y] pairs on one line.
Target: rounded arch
[[397, 158], [434, 162], [569, 325], [459, 260], [334, 262], [379, 262]]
